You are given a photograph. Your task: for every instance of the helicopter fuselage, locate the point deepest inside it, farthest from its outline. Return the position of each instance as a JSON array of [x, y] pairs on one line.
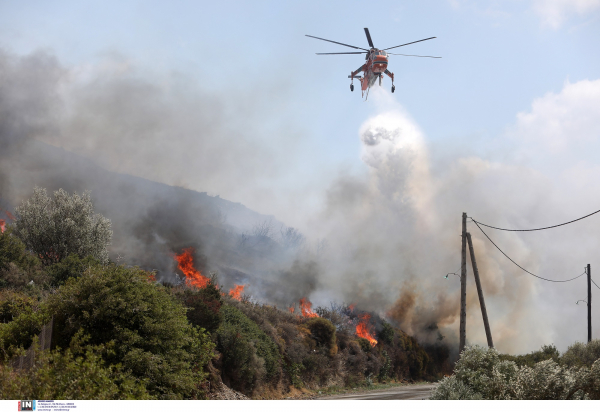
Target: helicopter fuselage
[[373, 69]]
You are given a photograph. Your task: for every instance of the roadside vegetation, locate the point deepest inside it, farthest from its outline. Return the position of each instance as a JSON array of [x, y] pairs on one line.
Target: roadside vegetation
[[483, 373], [119, 334]]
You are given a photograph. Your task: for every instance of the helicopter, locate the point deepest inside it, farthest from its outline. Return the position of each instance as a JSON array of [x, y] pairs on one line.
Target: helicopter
[[376, 62]]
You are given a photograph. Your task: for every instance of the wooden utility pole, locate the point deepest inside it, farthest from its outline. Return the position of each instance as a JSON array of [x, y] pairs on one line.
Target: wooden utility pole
[[488, 332], [589, 301], [463, 286]]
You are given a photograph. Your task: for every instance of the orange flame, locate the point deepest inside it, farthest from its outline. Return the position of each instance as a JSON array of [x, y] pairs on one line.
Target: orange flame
[[185, 263], [151, 278], [291, 309], [306, 308], [2, 225], [363, 329], [10, 216], [351, 307], [236, 292]]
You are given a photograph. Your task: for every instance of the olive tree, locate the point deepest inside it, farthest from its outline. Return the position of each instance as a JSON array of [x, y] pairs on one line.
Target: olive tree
[[54, 228]]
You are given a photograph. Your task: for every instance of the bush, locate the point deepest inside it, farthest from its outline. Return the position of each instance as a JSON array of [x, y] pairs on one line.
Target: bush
[[13, 303], [79, 372], [20, 332], [481, 373], [547, 352], [387, 333], [323, 332], [203, 306], [148, 328], [55, 228], [248, 354], [12, 250], [18, 267], [582, 354], [70, 267]]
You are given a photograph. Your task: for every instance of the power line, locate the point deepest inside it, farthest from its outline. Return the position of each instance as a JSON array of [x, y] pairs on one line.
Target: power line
[[532, 230], [594, 283], [521, 267]]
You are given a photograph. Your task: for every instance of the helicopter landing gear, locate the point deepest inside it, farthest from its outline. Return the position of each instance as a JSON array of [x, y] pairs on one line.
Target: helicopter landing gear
[[393, 88], [380, 76], [351, 87]]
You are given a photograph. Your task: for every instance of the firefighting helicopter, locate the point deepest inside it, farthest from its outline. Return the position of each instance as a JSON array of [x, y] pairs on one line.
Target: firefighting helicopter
[[376, 62]]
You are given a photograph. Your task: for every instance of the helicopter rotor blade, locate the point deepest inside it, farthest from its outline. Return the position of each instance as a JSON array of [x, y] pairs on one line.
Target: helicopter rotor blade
[[414, 55], [331, 41], [369, 38], [343, 53], [406, 44]]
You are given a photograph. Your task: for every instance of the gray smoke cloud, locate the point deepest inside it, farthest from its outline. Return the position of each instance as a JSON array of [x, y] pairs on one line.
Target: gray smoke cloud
[[395, 232]]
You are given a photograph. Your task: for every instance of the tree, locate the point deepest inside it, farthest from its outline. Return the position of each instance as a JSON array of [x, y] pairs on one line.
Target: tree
[[53, 228]]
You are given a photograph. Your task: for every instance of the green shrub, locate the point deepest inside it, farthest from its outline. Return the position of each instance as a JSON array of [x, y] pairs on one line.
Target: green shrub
[[20, 332], [387, 333], [547, 352], [246, 350], [203, 306], [19, 269], [13, 250], [323, 332], [148, 328], [79, 372], [13, 303], [364, 344], [386, 369], [72, 266], [582, 354]]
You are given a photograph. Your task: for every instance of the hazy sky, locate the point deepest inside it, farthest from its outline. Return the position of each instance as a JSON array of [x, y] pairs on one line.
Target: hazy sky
[[507, 122]]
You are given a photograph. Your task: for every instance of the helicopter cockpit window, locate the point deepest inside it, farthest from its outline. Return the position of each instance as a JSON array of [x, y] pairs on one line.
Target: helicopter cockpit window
[[382, 53]]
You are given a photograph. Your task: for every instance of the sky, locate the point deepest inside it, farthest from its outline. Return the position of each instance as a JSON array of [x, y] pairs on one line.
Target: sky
[[230, 98]]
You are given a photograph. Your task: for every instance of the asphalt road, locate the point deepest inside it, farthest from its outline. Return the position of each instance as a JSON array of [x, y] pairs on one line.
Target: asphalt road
[[400, 392]]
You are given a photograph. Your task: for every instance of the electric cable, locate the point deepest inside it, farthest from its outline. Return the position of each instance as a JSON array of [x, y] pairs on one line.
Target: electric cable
[[594, 283], [532, 230], [521, 267]]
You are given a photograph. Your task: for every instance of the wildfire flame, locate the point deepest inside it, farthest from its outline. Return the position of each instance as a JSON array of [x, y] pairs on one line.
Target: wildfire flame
[[236, 292], [306, 308], [291, 309], [3, 221], [363, 329], [185, 263]]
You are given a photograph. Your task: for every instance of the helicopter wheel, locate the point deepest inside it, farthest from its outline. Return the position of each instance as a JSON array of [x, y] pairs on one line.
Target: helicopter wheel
[[393, 88], [351, 87]]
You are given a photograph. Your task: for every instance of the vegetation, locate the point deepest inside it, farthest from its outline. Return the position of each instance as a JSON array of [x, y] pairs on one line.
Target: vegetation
[[118, 334], [482, 373], [53, 228]]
